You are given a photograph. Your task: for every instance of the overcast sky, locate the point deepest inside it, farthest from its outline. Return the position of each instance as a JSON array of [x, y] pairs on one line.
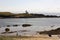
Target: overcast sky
[[30, 5]]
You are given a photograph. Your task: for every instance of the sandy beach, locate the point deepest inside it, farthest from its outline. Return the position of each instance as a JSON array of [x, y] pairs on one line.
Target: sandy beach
[[33, 37], [36, 39], [41, 37]]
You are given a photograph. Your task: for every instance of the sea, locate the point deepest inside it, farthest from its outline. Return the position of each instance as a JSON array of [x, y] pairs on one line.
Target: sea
[[37, 24]]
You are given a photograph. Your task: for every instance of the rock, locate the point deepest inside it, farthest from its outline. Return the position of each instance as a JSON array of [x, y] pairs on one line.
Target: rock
[[26, 25], [7, 30], [15, 25]]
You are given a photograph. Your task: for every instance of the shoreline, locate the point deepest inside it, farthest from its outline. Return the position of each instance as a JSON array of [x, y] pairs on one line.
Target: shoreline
[[31, 38]]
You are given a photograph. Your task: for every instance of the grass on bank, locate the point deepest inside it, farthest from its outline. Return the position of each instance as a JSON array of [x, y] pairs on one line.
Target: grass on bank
[[5, 38], [12, 37]]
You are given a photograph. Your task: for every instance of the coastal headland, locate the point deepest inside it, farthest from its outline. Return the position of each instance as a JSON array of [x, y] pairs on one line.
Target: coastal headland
[[26, 15]]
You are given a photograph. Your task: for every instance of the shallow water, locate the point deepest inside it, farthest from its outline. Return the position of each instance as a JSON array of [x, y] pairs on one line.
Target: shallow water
[[38, 24]]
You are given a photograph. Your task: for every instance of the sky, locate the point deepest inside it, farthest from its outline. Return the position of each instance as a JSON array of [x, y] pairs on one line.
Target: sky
[[35, 6]]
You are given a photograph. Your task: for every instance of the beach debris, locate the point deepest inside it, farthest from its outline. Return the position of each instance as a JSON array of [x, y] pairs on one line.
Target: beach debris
[[49, 35], [26, 25]]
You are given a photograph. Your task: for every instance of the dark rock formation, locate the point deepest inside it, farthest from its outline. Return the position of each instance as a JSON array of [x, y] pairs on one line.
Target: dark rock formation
[[26, 25], [52, 32]]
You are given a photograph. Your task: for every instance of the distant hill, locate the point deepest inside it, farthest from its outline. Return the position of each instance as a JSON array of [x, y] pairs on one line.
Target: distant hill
[[5, 13]]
